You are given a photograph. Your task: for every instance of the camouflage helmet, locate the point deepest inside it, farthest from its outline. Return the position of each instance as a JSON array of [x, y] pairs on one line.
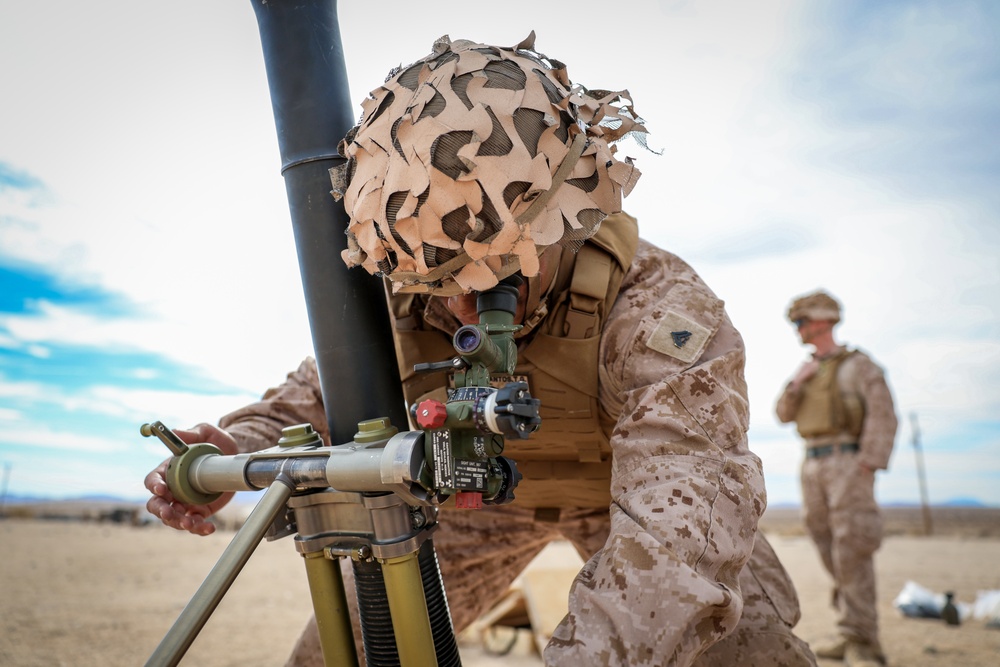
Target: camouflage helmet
[[816, 306], [471, 161]]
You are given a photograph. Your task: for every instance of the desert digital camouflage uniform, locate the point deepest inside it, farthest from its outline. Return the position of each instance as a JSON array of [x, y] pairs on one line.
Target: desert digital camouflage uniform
[[667, 579], [841, 514]]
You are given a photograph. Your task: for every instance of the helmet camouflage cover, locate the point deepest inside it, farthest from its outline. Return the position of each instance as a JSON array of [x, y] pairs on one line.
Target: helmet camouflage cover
[[468, 163], [815, 306]]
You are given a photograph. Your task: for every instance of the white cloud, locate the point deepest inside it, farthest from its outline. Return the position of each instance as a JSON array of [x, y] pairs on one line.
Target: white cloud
[[39, 351], [34, 435], [51, 323], [62, 476], [175, 408], [233, 350], [956, 379], [27, 390]]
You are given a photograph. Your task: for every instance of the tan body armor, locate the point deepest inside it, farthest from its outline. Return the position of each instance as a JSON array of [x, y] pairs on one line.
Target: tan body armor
[[829, 406], [567, 462]]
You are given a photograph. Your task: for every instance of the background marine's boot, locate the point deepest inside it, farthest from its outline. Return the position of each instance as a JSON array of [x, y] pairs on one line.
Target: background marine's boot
[[858, 654], [831, 649]]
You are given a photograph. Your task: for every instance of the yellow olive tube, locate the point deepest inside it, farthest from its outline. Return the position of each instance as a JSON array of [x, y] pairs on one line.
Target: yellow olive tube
[[408, 607], [326, 585]]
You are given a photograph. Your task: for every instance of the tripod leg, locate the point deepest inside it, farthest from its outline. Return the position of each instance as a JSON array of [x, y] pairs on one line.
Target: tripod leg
[[326, 584], [408, 608]]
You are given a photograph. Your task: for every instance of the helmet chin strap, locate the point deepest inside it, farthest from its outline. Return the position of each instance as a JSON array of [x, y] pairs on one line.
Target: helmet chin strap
[[536, 307]]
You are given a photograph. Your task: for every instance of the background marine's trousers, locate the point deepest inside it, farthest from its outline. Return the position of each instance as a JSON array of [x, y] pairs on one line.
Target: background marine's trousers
[[842, 517]]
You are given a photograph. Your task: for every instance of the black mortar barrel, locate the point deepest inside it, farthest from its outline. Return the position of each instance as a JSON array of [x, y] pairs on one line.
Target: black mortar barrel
[[348, 319]]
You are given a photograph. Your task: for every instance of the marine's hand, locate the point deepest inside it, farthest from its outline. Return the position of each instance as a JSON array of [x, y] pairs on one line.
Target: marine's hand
[[806, 371], [172, 512], [866, 469]]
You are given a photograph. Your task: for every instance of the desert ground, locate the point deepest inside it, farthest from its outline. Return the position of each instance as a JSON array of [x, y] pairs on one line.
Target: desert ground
[[82, 593]]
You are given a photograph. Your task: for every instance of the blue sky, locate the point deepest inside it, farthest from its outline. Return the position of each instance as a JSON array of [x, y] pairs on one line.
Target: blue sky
[[147, 267]]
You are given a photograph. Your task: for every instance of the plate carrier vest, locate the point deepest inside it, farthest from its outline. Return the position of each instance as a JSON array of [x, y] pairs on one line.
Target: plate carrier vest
[[567, 462], [825, 408]]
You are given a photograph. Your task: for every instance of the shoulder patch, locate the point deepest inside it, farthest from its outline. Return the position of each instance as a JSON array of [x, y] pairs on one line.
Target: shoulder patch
[[679, 337]]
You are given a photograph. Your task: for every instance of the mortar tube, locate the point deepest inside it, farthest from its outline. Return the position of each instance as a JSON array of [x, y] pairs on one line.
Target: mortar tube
[[348, 318]]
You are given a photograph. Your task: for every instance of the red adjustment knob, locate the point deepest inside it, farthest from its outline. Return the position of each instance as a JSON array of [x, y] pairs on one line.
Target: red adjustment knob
[[468, 500], [431, 414]]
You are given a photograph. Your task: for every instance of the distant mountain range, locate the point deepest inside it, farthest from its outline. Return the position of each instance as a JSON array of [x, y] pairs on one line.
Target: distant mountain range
[[242, 498], [97, 498], [953, 502]]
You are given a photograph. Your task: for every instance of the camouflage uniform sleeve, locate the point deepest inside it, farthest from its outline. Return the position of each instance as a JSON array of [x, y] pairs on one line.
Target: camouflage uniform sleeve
[[686, 491], [297, 400], [788, 404], [878, 430]]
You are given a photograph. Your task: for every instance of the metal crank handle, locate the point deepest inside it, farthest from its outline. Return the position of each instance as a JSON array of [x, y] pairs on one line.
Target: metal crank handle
[[179, 477], [176, 446]]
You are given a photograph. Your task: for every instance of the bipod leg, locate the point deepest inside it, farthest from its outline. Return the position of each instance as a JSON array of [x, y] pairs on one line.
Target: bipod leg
[[326, 585], [405, 591], [396, 575], [197, 612]]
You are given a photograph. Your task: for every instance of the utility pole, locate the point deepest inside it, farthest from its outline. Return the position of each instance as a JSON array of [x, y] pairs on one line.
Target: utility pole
[[922, 476], [3, 494]]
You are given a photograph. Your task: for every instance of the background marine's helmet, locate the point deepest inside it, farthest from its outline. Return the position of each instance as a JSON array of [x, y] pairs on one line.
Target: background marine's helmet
[[815, 306], [468, 163]]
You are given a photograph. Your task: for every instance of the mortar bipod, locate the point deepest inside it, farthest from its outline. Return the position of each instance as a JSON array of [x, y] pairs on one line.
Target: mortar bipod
[[382, 522], [402, 607]]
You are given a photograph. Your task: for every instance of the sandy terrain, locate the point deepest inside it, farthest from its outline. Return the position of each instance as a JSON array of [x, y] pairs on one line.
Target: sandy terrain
[[82, 594]]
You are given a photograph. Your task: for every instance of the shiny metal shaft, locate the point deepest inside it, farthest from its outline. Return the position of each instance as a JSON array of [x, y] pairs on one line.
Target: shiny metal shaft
[[197, 612]]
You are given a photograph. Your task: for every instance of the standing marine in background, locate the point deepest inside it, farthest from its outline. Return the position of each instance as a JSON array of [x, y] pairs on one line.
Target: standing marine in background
[[843, 409]]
